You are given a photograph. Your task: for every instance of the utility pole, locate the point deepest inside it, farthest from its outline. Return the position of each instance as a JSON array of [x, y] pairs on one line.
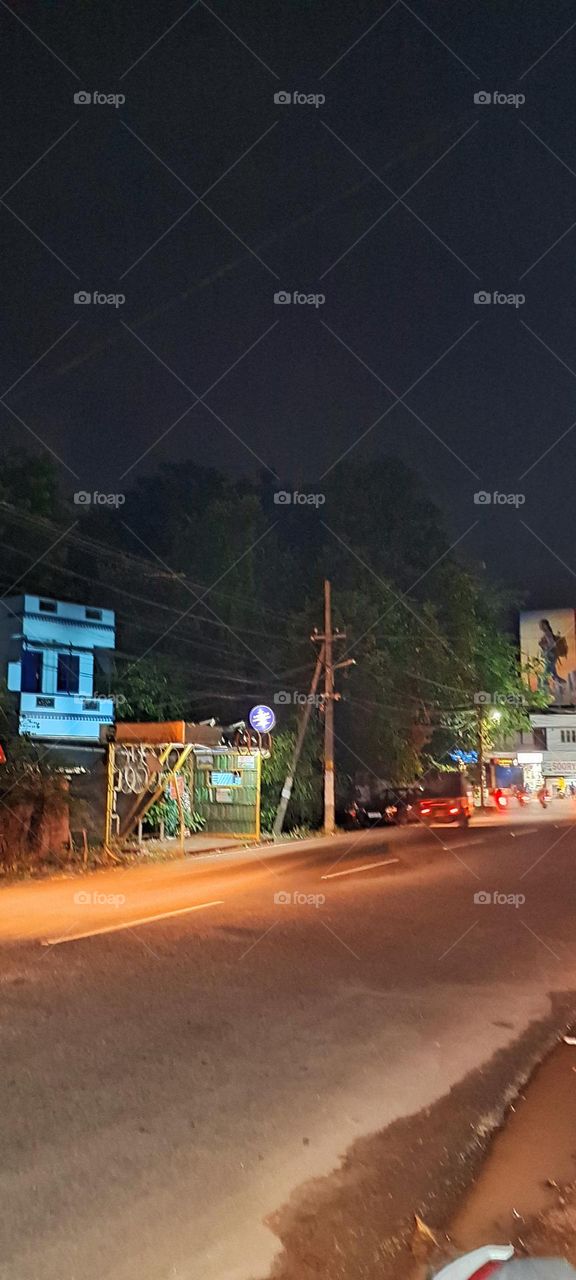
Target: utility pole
[[329, 699], [287, 788], [329, 809], [480, 712]]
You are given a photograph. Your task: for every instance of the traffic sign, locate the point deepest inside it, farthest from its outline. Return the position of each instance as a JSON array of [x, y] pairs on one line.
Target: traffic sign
[[262, 718]]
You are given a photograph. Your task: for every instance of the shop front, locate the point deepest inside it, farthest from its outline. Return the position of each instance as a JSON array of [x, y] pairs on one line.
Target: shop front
[[559, 773]]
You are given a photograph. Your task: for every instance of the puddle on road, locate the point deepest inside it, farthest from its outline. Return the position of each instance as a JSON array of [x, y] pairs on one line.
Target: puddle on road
[[536, 1146]]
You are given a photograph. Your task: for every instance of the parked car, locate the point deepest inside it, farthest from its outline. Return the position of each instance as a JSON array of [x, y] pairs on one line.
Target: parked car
[[446, 797], [394, 806]]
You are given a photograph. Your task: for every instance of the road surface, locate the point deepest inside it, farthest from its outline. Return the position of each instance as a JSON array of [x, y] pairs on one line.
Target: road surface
[[189, 1049]]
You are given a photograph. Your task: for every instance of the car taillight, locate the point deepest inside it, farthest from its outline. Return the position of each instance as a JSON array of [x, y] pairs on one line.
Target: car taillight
[[424, 809], [455, 808], [502, 801]]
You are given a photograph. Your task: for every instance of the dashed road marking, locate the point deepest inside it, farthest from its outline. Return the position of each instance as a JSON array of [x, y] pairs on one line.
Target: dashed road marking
[[129, 924], [331, 875]]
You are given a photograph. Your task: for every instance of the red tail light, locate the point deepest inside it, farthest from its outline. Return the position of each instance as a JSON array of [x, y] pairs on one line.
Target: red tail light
[[502, 801], [455, 808], [423, 809]]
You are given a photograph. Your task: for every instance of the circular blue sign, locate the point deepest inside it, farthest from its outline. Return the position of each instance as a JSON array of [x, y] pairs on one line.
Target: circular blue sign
[[262, 718]]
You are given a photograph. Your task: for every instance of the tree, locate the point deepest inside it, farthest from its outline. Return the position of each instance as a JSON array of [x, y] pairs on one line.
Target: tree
[[305, 807]]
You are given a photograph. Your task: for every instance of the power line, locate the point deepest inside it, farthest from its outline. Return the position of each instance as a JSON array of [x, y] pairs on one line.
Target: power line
[[170, 575], [130, 595]]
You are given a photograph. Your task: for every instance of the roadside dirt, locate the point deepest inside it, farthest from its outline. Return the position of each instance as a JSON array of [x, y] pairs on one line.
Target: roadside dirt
[[359, 1222], [526, 1191]]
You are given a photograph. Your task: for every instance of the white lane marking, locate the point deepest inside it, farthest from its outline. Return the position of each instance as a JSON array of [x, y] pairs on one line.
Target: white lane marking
[[531, 831], [352, 870], [464, 844], [129, 924]]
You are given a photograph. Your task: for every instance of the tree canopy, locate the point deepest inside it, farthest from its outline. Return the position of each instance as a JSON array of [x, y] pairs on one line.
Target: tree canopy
[[217, 588]]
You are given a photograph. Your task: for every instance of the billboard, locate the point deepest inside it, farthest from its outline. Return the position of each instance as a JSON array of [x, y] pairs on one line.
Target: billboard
[[548, 653]]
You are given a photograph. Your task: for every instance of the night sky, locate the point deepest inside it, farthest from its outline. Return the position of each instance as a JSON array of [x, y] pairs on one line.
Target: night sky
[[398, 199]]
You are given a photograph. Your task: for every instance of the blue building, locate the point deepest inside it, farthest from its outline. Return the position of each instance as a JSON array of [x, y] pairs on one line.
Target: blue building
[[55, 657]]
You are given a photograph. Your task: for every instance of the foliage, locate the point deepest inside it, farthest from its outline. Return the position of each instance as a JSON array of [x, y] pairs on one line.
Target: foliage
[[149, 689], [218, 614], [305, 806], [166, 811]]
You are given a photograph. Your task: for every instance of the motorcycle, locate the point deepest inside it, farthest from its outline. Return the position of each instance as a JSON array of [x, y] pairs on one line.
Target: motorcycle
[[492, 1260], [477, 1265]]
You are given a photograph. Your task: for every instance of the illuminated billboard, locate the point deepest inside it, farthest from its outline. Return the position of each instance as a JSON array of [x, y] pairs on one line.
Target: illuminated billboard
[[548, 652]]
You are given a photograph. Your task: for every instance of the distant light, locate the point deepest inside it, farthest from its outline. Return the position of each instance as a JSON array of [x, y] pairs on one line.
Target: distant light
[[495, 715]]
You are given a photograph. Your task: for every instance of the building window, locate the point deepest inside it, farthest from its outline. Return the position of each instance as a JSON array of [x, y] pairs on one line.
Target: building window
[[48, 606], [568, 735], [68, 674], [95, 615], [31, 671]]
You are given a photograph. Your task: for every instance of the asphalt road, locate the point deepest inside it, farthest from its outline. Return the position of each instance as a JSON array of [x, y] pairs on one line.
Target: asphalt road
[[167, 1086]]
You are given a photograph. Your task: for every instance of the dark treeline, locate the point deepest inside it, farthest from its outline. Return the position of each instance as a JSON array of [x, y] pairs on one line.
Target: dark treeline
[[217, 586]]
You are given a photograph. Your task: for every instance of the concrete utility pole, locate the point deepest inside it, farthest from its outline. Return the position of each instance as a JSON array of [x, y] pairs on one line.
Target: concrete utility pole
[[480, 717], [304, 719], [329, 699], [329, 809]]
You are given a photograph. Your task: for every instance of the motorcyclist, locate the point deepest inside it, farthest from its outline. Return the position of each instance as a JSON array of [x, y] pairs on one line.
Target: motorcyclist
[[543, 795]]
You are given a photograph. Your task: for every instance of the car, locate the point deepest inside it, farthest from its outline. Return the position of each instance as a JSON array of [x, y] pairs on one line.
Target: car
[[394, 806], [446, 797]]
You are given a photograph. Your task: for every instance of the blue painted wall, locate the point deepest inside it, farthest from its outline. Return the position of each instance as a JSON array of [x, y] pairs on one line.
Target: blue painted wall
[[56, 629]]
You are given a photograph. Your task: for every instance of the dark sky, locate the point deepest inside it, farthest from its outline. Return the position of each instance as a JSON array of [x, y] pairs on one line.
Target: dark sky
[[300, 197]]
